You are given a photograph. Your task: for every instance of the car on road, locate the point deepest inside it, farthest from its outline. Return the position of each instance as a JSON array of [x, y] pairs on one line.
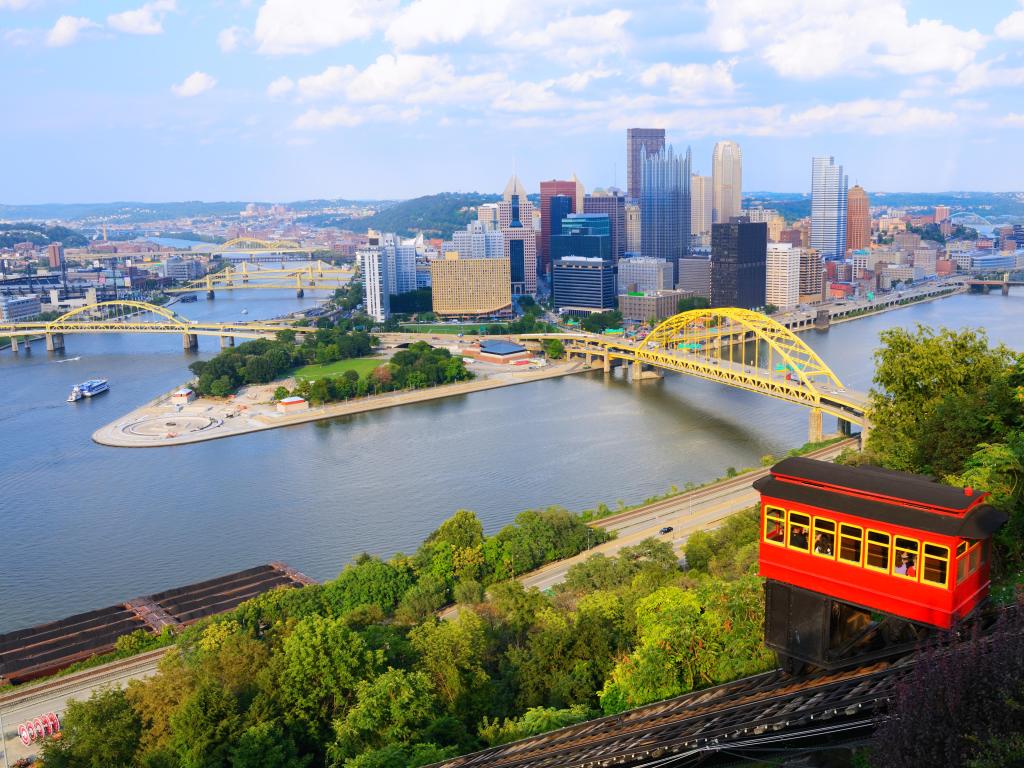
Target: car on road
[[666, 529]]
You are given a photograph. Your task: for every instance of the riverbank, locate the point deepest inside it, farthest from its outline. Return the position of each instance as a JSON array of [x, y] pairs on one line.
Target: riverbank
[[912, 300], [159, 423]]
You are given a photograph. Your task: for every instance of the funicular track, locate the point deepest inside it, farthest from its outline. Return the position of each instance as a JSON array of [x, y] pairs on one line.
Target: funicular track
[[745, 715]]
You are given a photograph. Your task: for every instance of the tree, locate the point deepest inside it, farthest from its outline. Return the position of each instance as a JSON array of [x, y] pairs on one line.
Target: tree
[[265, 745], [554, 349], [452, 655], [692, 302], [368, 581], [205, 727], [281, 393], [101, 732], [770, 309]]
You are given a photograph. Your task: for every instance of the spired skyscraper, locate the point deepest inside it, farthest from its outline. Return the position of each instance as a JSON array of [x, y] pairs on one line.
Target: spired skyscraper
[[828, 208], [727, 182], [665, 206], [639, 143]]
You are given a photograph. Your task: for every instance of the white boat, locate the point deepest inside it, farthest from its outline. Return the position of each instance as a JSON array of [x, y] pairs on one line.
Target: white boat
[[68, 359], [87, 389], [245, 311]]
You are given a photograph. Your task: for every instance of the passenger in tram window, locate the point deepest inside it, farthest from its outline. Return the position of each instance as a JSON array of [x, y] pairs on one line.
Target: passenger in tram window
[[911, 570], [823, 544], [902, 564], [798, 538]]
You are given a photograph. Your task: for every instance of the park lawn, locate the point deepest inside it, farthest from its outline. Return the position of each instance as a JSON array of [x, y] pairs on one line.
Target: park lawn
[[361, 365]]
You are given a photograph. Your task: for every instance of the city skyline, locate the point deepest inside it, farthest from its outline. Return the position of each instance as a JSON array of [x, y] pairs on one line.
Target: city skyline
[[375, 99]]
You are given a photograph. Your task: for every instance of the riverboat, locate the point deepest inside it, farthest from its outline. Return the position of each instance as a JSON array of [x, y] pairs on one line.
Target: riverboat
[[87, 389]]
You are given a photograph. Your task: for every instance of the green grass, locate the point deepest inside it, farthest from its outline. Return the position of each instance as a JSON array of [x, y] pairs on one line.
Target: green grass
[[361, 365], [468, 328]]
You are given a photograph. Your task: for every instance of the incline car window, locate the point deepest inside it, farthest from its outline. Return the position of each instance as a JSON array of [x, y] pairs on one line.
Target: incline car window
[[774, 525], [799, 531], [824, 537], [935, 567], [878, 551], [905, 561], [850, 544]]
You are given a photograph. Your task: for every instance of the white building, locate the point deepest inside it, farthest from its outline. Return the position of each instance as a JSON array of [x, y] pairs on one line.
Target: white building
[[632, 228], [183, 269], [700, 209], [377, 298], [14, 309], [695, 276], [782, 275], [828, 208], [924, 259], [479, 240], [727, 180], [760, 215], [637, 273]]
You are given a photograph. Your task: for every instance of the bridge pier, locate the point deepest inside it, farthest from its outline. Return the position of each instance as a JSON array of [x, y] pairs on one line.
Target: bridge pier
[[815, 433], [642, 371], [299, 293], [1005, 288], [227, 341], [15, 342], [210, 294], [55, 342], [822, 320], [189, 342]]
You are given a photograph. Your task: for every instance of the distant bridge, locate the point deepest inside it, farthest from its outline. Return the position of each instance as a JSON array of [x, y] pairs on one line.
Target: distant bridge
[[315, 276], [969, 219], [132, 317], [984, 286], [712, 344]]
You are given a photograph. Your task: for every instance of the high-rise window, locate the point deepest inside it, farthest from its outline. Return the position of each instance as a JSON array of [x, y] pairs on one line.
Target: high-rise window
[[665, 206], [828, 208]]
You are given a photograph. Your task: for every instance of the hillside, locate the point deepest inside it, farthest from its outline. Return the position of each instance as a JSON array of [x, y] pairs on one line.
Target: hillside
[[434, 215], [137, 212], [39, 235], [997, 207]]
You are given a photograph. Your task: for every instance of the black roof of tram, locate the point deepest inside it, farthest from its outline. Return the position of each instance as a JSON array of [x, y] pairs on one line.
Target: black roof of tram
[[977, 523]]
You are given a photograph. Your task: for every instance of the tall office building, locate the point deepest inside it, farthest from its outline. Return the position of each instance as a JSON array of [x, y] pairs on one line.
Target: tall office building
[[405, 266], [613, 204], [550, 222], [812, 276], [632, 228], [639, 274], [727, 180], [374, 261], [582, 285], [515, 215], [695, 276], [782, 275], [738, 254], [640, 142], [858, 220], [701, 209], [479, 240], [941, 213], [55, 255], [586, 235], [828, 208], [665, 206], [470, 288]]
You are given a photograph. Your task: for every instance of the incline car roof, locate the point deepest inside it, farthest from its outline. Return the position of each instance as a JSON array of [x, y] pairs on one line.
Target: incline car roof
[[897, 498]]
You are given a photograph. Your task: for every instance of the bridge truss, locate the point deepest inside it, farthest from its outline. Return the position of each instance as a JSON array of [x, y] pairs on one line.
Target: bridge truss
[[317, 275]]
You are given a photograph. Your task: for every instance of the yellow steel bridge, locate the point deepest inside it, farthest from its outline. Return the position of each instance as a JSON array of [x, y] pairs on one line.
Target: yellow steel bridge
[[736, 347], [132, 317], [317, 275], [255, 245]]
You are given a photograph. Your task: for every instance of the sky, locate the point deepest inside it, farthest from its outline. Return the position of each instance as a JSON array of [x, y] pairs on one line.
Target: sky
[[294, 99]]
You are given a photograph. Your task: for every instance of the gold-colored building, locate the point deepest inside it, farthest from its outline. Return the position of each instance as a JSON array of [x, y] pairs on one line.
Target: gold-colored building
[[471, 288]]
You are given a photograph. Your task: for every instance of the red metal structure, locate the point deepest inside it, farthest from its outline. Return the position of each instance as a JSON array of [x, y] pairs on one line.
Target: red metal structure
[[841, 543]]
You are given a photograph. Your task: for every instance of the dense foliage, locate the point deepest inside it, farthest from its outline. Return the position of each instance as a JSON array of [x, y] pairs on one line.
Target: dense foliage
[[435, 215], [263, 360], [39, 234], [418, 367], [359, 672], [692, 302], [411, 302], [599, 321], [948, 404]]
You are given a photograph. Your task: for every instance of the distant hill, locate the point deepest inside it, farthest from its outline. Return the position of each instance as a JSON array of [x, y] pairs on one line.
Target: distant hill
[[997, 207], [39, 235], [136, 212], [433, 215]]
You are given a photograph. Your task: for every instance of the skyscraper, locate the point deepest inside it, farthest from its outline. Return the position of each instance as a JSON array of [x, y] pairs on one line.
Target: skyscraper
[[665, 206], [738, 255], [640, 141], [701, 198], [549, 223], [727, 179], [515, 214], [374, 262], [632, 228], [782, 275], [858, 220], [613, 204], [828, 208]]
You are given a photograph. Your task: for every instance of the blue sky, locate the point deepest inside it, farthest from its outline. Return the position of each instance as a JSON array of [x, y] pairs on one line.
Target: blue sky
[[289, 99]]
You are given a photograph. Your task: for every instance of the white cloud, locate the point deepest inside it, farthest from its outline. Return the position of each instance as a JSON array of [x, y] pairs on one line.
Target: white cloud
[[339, 117], [194, 84], [67, 29], [14, 5], [304, 26], [1014, 119], [986, 74], [280, 86], [147, 20], [447, 21], [694, 82], [574, 38], [20, 37], [330, 82], [808, 39], [230, 39], [1012, 27]]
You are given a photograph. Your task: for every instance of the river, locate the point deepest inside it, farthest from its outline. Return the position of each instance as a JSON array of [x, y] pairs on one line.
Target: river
[[86, 526]]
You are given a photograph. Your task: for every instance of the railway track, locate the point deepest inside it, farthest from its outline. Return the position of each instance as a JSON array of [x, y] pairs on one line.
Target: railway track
[[750, 711]]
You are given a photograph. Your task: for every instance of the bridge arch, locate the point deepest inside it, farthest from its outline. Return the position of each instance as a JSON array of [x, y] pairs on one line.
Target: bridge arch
[[62, 323], [255, 244], [706, 332]]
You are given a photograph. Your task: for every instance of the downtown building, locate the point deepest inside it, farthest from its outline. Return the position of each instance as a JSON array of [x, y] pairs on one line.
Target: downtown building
[[479, 240], [700, 210], [637, 273], [695, 276], [727, 182], [782, 276], [828, 208], [813, 282], [858, 220], [633, 228], [563, 192], [471, 288], [611, 203], [373, 261], [515, 218], [581, 286], [640, 142], [738, 255], [665, 207]]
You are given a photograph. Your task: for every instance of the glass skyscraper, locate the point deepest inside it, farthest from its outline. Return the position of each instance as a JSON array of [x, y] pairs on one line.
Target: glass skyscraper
[[828, 208], [665, 206]]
